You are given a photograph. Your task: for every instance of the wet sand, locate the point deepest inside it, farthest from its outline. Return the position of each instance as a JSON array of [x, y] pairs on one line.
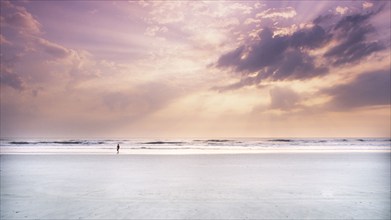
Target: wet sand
[[338, 185]]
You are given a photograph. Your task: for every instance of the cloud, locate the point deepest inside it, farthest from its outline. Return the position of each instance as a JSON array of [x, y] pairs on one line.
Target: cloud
[[19, 18], [8, 76], [154, 30], [11, 79], [352, 32], [341, 10], [167, 12], [292, 56], [313, 37], [288, 12], [294, 64], [4, 41], [283, 98], [366, 5], [53, 49], [244, 8], [368, 89], [25, 44], [249, 21], [277, 57], [254, 57]]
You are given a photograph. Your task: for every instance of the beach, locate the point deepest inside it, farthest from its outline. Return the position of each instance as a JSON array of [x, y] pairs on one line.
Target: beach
[[285, 185]]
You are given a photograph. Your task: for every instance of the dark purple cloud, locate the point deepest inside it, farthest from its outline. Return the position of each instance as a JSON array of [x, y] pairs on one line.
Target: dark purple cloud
[[261, 54], [311, 38], [352, 32], [369, 89], [288, 57], [231, 58], [278, 57]]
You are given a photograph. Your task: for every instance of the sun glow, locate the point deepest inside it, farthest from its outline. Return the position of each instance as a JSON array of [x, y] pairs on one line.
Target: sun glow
[[227, 68]]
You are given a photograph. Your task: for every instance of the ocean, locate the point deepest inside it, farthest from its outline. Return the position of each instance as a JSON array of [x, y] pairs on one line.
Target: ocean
[[8, 145]]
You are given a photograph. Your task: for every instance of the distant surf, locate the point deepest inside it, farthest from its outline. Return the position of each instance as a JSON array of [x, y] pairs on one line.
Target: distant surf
[[248, 144]]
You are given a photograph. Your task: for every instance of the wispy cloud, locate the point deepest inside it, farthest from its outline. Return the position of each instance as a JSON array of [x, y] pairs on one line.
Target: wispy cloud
[[55, 50], [288, 12], [19, 18], [3, 40]]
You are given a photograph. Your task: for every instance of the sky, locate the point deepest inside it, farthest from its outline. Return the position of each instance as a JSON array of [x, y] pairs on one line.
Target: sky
[[195, 69]]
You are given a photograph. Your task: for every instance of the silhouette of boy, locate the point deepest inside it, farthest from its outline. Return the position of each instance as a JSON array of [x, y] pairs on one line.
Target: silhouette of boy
[[117, 148]]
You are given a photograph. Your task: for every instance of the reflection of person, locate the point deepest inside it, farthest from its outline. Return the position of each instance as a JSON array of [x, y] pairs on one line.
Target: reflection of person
[[117, 148]]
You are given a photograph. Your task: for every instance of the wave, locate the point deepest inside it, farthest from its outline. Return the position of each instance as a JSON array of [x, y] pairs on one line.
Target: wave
[[19, 142], [241, 143], [164, 142], [217, 140], [56, 142], [281, 140]]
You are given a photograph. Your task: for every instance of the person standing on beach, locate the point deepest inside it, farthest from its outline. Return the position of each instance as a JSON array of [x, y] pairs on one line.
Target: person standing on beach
[[117, 148]]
